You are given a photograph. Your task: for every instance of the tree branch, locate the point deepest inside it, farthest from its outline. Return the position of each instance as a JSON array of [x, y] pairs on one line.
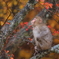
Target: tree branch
[[42, 54], [19, 36], [10, 25]]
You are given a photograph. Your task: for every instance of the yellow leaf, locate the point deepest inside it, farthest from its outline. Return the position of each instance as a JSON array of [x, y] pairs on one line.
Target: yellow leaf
[[1, 15], [9, 4], [10, 18], [21, 6], [15, 2], [15, 10], [1, 22]]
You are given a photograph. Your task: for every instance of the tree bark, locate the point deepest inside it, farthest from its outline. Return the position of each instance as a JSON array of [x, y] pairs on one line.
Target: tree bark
[[18, 37], [10, 25], [42, 54]]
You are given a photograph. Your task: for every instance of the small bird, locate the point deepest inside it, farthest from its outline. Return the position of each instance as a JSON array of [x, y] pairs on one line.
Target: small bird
[[42, 35]]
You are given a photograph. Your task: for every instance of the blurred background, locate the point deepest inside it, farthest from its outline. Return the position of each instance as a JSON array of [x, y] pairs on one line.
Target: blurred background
[[9, 8]]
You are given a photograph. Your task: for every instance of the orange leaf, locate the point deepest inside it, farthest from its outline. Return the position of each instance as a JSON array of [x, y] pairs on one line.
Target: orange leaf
[[57, 5], [48, 5], [56, 41]]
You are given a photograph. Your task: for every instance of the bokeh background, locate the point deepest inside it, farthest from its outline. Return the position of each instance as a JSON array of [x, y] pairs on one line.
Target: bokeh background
[[9, 8]]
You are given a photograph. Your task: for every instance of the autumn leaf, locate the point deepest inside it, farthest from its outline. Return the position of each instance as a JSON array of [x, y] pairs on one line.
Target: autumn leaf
[[40, 0], [57, 5], [48, 5]]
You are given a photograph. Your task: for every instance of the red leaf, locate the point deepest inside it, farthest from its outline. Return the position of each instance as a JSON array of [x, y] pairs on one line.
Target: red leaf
[[57, 5], [21, 24], [48, 5], [26, 29], [49, 26], [25, 23], [40, 0], [7, 23]]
